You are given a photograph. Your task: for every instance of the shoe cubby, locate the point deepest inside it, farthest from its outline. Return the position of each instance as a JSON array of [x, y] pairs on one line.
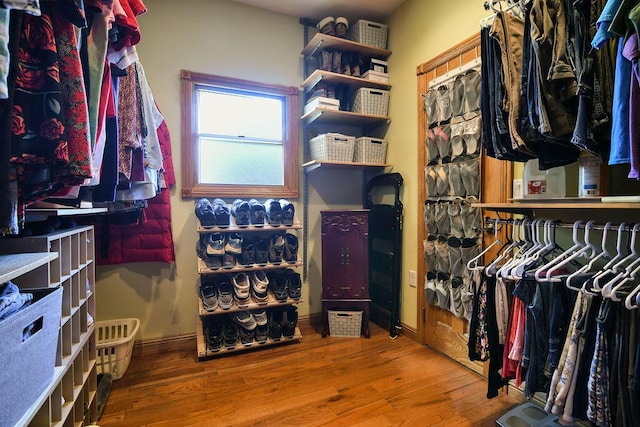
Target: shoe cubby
[[64, 258], [221, 265]]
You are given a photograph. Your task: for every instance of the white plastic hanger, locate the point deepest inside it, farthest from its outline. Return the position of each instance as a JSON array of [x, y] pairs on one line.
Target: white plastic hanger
[[507, 251], [473, 262], [631, 261], [542, 244], [548, 268], [588, 250], [524, 246], [629, 300], [603, 254], [606, 269]]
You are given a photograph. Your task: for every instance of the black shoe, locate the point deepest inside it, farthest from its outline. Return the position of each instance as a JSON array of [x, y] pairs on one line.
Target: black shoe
[[228, 260], [257, 212], [288, 212], [246, 335], [262, 333], [290, 248], [276, 248], [213, 262], [294, 284], [278, 285], [248, 255], [261, 247], [222, 213], [230, 334], [289, 321], [274, 212], [213, 333], [241, 212], [205, 213], [276, 323]]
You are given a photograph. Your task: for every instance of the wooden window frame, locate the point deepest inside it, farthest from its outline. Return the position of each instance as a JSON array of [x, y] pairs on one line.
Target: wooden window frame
[[191, 185]]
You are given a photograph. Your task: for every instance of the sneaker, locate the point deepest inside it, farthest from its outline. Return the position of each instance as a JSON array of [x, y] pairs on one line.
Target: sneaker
[[288, 211], [225, 295], [276, 323], [257, 212], [246, 335], [241, 288], [208, 294], [248, 255], [234, 244], [262, 333], [294, 284], [289, 321], [274, 212], [341, 26], [290, 248], [327, 26], [228, 260], [244, 319], [260, 316], [215, 243], [276, 248], [213, 333], [205, 213], [261, 247], [241, 212], [221, 212], [259, 286], [278, 285], [213, 262], [229, 334]]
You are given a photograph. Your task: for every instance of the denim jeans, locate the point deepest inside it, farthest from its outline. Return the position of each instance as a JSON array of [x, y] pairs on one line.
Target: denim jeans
[[12, 300]]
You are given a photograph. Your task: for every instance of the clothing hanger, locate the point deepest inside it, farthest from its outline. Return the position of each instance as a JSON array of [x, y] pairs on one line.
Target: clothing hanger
[[503, 254], [606, 269], [632, 259], [583, 251], [473, 262], [520, 250], [603, 254], [612, 294], [633, 295], [540, 245], [547, 269]]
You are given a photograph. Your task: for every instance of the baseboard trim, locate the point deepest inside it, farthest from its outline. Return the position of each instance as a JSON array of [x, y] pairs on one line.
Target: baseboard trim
[[409, 332], [164, 340]]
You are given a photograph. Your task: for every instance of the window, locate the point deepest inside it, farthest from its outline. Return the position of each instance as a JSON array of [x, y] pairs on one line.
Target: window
[[239, 138]]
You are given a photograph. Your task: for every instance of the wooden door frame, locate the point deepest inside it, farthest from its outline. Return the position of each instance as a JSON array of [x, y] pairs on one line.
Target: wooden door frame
[[447, 333]]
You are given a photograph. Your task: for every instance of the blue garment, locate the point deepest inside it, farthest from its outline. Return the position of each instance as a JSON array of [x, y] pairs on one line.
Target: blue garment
[[11, 299], [620, 140], [603, 33]]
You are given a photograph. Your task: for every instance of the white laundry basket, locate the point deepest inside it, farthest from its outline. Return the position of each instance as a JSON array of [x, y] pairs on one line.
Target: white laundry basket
[[114, 343]]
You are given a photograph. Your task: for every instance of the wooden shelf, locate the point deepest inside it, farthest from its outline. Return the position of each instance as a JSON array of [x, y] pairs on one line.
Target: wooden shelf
[[269, 303], [248, 228], [315, 164], [325, 41], [329, 77], [203, 269], [524, 207], [12, 266], [204, 352], [327, 116]]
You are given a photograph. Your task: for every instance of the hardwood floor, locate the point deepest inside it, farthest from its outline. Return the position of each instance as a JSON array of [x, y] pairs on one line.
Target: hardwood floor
[[312, 382]]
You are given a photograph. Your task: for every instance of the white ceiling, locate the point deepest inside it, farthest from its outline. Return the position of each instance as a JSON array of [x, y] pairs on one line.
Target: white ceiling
[[372, 10]]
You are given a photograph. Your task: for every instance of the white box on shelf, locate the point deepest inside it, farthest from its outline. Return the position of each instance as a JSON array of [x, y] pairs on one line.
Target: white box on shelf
[[376, 76], [378, 65], [321, 102]]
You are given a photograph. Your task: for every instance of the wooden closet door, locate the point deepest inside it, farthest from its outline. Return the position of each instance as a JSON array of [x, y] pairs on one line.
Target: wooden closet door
[[438, 328]]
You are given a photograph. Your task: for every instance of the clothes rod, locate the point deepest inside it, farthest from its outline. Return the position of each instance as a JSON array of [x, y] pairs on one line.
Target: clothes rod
[[450, 74], [492, 222]]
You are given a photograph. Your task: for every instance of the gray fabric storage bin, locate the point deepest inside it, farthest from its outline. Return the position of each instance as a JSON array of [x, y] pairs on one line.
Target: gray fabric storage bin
[[28, 366]]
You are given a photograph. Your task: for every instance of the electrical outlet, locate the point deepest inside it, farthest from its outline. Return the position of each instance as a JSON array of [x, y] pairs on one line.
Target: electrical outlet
[[412, 278]]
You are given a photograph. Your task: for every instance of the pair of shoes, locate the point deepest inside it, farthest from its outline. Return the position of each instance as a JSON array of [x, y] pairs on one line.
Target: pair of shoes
[[230, 334], [234, 244], [276, 248], [241, 212], [256, 212], [333, 27], [241, 289], [289, 321], [288, 211], [261, 248], [204, 212], [213, 262], [278, 284], [215, 243], [273, 212], [208, 291], [276, 323], [222, 213], [259, 286], [225, 295], [213, 333], [294, 284], [290, 248], [248, 256]]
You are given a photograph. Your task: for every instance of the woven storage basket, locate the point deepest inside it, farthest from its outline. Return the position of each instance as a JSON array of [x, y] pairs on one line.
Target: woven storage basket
[[332, 147], [369, 33], [370, 150], [345, 323], [374, 102], [114, 343]]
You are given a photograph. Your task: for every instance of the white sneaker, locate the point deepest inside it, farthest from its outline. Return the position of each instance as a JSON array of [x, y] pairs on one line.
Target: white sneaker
[[244, 319]]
